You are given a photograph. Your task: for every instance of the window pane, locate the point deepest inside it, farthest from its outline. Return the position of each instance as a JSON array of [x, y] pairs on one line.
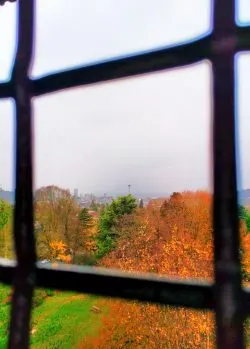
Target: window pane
[[7, 38], [6, 179], [75, 33], [243, 108], [147, 136], [243, 12]]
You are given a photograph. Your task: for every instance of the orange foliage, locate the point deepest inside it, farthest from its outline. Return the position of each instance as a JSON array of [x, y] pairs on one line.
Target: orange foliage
[[172, 238], [246, 256], [59, 252], [132, 325], [245, 244]]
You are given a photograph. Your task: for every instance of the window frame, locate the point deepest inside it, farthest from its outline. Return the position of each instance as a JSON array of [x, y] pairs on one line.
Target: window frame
[[227, 296]]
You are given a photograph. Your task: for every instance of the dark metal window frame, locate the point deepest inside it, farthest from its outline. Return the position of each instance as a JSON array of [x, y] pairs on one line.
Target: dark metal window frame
[[226, 296]]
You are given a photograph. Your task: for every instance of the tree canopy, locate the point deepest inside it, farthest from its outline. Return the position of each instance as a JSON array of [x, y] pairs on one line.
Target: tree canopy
[[123, 205], [4, 213]]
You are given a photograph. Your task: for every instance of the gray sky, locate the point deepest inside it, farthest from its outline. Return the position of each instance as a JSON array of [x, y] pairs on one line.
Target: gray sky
[[152, 132]]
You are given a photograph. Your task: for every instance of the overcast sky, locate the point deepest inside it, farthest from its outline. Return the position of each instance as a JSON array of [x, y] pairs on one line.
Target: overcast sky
[[152, 132]]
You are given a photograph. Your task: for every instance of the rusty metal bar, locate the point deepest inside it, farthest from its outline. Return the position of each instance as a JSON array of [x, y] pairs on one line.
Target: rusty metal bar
[[24, 279], [143, 63], [6, 90], [147, 62], [144, 287], [114, 283], [229, 295]]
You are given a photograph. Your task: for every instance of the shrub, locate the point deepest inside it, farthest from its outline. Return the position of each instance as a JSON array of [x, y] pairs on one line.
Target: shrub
[[40, 295], [85, 259]]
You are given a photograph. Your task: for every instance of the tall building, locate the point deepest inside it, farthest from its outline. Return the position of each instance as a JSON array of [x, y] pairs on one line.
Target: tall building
[[75, 193]]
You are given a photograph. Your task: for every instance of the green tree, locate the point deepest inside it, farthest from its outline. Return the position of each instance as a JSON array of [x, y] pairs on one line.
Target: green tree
[[123, 205], [80, 237], [4, 213], [86, 220], [244, 215], [6, 245], [242, 212]]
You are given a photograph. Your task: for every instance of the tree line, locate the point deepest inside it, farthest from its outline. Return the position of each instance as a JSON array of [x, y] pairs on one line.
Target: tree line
[[171, 237]]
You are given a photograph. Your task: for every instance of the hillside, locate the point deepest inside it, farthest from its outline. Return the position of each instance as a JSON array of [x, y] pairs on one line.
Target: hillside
[[64, 320]]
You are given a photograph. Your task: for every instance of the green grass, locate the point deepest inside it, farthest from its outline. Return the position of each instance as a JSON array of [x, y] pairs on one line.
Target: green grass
[[61, 321], [4, 315]]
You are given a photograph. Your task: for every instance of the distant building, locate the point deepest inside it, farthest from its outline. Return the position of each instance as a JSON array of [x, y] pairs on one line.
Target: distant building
[[141, 203], [104, 199]]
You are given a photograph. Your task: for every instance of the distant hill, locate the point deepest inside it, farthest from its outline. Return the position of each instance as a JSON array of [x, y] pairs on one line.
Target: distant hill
[[8, 196], [244, 197]]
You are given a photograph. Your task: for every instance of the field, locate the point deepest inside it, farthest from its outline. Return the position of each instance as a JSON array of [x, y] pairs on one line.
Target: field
[[61, 321]]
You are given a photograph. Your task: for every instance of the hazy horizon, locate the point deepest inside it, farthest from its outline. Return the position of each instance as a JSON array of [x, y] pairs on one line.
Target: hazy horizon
[[151, 131]]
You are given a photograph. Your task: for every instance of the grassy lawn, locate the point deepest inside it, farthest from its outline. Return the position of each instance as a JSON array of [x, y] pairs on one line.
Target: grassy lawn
[[61, 321], [4, 315]]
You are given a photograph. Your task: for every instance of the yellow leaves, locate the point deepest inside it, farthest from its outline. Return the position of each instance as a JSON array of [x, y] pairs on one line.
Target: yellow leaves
[[58, 245], [135, 325], [65, 259], [175, 228], [59, 251]]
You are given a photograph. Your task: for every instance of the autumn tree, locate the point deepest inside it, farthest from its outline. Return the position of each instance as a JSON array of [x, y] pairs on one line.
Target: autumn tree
[[85, 218], [172, 237], [81, 236], [57, 218], [4, 214], [59, 252], [6, 245]]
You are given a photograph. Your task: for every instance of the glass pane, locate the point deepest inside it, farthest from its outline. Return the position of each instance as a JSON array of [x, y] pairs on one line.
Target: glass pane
[[243, 123], [243, 12], [243, 107], [7, 38], [75, 33], [142, 142], [7, 195], [69, 320]]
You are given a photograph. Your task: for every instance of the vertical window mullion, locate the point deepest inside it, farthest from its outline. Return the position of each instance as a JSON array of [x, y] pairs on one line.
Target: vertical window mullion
[[228, 292], [24, 278]]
